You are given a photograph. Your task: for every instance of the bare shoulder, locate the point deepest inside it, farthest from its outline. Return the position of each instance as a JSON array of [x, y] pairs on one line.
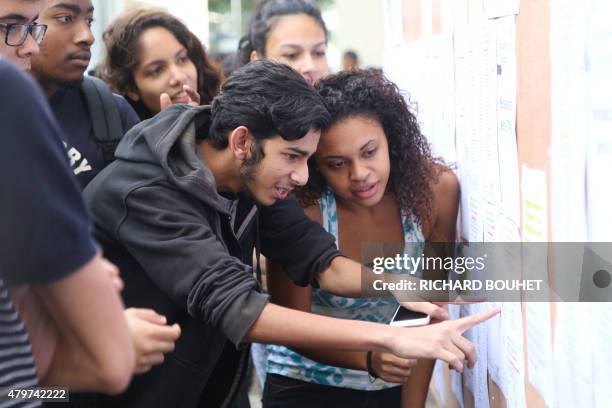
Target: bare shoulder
[[445, 206], [314, 213], [445, 188]]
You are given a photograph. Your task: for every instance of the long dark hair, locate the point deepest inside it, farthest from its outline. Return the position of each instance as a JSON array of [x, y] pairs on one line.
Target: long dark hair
[[413, 168], [121, 40], [266, 14]]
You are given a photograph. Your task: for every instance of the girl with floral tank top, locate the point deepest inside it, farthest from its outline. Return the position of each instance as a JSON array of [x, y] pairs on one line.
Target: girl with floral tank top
[[372, 179]]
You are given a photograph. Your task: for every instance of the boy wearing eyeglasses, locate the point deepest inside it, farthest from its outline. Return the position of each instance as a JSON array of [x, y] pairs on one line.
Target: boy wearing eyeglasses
[[20, 35]]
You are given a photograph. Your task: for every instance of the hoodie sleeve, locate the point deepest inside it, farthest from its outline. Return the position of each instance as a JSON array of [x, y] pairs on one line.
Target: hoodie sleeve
[[177, 248], [301, 246]]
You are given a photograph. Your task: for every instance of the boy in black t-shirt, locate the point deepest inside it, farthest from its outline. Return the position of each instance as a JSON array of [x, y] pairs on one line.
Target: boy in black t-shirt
[[59, 69]]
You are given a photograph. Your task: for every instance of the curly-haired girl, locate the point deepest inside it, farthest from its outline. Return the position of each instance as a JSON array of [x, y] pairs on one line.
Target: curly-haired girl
[[372, 179]]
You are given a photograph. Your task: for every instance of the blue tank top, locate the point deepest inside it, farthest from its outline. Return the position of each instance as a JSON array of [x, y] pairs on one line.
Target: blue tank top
[[288, 363]]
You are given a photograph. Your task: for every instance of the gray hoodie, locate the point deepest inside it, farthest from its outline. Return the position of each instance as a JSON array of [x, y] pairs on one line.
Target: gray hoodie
[[186, 251]]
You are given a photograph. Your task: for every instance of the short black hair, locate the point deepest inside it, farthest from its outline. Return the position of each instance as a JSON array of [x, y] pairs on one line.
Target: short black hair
[[270, 99]]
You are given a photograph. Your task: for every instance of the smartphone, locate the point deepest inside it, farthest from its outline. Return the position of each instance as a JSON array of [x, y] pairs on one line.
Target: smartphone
[[407, 318]]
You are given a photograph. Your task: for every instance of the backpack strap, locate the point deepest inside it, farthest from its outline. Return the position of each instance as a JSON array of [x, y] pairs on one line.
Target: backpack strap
[[104, 115]]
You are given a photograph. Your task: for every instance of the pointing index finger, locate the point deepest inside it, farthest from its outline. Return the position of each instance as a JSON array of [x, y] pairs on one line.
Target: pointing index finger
[[468, 322]]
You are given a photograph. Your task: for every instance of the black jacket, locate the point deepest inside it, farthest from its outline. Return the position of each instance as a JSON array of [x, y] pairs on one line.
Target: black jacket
[[186, 251]]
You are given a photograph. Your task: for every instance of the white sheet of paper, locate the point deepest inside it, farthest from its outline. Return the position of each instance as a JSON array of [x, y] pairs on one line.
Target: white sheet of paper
[[504, 258], [505, 355], [539, 349], [460, 13], [436, 96], [457, 386], [535, 207], [475, 379], [513, 356], [501, 8], [601, 336], [495, 361], [476, 11], [500, 189], [484, 121], [396, 63], [569, 121], [394, 34], [475, 121], [426, 17], [447, 16], [599, 151], [506, 119], [429, 88], [463, 85], [508, 231], [573, 357], [491, 190], [438, 378], [454, 313]]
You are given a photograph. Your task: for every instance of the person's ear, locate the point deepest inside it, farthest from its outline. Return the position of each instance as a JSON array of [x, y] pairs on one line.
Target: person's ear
[[254, 56], [240, 141]]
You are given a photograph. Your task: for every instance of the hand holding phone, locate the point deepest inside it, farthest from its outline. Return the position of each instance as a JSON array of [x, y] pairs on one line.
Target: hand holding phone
[[409, 318], [435, 311]]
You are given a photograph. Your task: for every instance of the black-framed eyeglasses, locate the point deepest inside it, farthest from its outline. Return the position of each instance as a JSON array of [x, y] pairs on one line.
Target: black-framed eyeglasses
[[16, 34]]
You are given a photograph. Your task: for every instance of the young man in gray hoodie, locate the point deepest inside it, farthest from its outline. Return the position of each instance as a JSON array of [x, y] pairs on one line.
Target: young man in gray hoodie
[[192, 193]]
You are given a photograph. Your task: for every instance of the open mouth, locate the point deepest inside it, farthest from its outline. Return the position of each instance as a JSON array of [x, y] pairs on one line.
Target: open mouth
[[365, 191], [280, 193]]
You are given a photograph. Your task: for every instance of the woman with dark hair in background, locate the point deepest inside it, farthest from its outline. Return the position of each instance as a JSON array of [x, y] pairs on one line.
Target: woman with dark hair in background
[[154, 60], [289, 31], [372, 179]]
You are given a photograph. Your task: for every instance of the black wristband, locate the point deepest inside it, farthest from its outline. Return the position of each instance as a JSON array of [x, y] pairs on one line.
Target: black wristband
[[371, 372]]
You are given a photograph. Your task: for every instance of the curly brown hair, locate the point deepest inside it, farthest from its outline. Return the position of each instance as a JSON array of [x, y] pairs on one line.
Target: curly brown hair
[[121, 41], [413, 168]]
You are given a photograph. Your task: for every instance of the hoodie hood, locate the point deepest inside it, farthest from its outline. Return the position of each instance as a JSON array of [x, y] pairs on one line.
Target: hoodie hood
[[168, 140]]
